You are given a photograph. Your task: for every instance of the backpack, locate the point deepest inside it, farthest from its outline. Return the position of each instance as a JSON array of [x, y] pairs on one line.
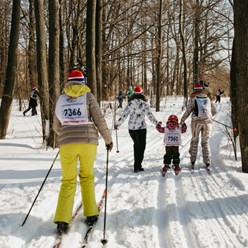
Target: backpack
[[202, 107]]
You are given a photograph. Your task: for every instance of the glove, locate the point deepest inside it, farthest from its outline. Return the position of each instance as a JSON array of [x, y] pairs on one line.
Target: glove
[[159, 128], [109, 146], [184, 128], [159, 124]]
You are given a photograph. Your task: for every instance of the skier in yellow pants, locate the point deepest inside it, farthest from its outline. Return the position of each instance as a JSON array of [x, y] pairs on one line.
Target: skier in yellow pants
[[77, 121], [69, 154]]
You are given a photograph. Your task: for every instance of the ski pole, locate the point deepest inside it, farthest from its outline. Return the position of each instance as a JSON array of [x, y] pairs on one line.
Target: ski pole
[[40, 188], [104, 240], [116, 140], [222, 123]]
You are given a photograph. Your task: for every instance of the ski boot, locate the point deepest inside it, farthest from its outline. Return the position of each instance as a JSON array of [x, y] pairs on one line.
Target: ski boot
[[208, 169], [165, 169], [62, 227], [192, 167], [90, 220], [177, 169]]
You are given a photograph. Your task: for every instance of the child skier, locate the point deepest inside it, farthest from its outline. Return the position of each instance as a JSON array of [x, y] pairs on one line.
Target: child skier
[[172, 139]]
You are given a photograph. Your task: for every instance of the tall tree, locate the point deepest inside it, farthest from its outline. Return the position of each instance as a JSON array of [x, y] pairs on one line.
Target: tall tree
[[99, 16], [91, 46], [31, 46], [8, 91], [41, 56], [53, 65], [241, 72], [4, 34], [183, 49], [159, 55], [196, 41]]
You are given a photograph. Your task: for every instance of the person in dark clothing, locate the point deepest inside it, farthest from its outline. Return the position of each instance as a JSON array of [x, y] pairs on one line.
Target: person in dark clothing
[[137, 109], [120, 98], [32, 102], [218, 94]]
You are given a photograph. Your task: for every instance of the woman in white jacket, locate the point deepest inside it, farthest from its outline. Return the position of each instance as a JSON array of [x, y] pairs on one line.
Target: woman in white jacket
[[137, 109]]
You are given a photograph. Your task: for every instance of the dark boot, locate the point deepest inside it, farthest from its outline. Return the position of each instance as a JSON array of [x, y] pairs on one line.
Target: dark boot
[[91, 220], [62, 227], [192, 165]]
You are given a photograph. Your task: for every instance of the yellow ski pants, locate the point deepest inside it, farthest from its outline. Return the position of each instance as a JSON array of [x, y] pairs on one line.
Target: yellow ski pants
[[69, 155]]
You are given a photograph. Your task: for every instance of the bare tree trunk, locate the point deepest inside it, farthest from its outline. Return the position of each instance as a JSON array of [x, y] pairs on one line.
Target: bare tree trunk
[[241, 72], [61, 49], [196, 42], [42, 64], [53, 77], [8, 90], [4, 34], [31, 46], [185, 84], [159, 55], [91, 45], [99, 49]]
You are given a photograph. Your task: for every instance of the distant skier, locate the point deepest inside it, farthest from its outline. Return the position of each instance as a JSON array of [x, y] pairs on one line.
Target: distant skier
[[120, 99], [172, 140], [218, 94], [202, 110], [32, 102]]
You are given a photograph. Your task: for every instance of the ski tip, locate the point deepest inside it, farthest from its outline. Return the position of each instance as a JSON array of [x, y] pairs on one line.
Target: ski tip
[[162, 173]]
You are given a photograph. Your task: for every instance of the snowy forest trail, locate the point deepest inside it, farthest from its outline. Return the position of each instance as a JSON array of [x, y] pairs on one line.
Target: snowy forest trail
[[202, 209], [143, 209]]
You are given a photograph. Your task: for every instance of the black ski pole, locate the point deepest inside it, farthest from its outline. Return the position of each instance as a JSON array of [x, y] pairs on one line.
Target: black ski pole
[[116, 135], [104, 240], [117, 149], [40, 189]]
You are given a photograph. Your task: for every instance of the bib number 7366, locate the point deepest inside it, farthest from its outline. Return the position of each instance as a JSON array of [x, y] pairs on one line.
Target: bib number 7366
[[72, 112]]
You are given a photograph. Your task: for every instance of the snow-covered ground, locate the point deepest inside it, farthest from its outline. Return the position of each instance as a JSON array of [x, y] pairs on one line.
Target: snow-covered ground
[[144, 210]]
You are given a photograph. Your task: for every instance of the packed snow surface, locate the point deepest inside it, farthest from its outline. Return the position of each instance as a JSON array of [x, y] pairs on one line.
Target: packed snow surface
[[144, 210]]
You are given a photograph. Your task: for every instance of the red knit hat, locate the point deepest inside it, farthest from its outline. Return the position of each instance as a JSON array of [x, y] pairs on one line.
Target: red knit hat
[[198, 86], [173, 118], [138, 90], [76, 75]]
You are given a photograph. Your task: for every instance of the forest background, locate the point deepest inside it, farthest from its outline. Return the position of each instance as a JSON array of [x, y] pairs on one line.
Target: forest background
[[163, 45]]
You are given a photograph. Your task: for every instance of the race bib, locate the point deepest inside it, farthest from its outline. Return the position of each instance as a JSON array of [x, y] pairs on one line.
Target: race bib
[[72, 111], [172, 137], [203, 107]]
